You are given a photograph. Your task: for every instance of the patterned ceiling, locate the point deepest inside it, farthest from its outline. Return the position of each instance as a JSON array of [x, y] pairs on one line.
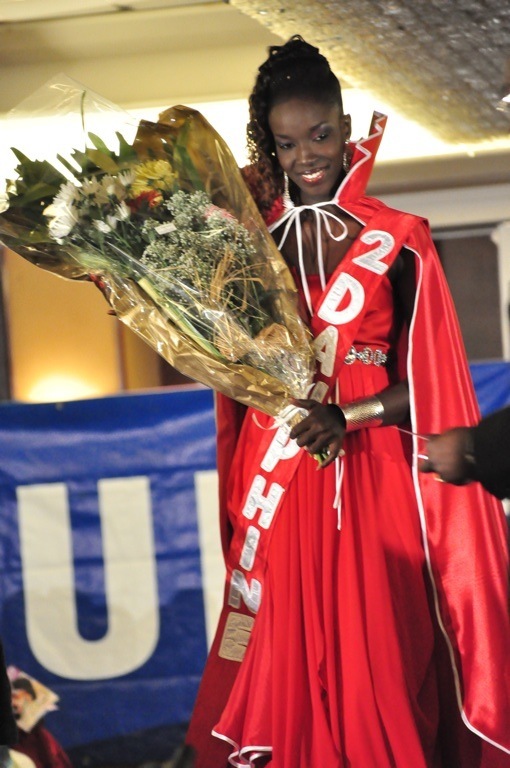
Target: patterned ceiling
[[443, 63]]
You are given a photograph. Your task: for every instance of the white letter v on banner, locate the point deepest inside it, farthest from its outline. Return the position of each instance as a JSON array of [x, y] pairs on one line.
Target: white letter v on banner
[[130, 580]]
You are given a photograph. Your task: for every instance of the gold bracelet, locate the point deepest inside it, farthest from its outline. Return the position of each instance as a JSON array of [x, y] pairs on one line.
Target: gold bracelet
[[363, 413]]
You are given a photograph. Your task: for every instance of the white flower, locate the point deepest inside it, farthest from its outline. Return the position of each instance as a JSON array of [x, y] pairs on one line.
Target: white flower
[[102, 226], [62, 211], [122, 211], [126, 177], [91, 187], [112, 221], [67, 194], [64, 218], [109, 185]]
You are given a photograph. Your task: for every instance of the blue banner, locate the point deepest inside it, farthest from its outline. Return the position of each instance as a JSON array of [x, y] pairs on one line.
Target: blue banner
[[101, 596], [492, 384]]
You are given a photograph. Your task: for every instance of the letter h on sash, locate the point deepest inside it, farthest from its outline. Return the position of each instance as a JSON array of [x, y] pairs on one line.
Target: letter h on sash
[[267, 504]]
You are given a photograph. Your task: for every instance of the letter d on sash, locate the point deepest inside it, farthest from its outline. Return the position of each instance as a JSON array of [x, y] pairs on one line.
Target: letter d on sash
[[343, 285]]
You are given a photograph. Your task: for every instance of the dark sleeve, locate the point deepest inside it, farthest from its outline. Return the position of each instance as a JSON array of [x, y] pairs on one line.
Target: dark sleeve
[[8, 730], [492, 453]]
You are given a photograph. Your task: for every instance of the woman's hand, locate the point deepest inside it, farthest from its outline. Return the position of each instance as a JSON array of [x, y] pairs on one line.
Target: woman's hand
[[322, 431]]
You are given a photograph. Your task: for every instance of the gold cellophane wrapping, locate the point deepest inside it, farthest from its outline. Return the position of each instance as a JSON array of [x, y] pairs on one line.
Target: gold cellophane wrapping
[[241, 382]]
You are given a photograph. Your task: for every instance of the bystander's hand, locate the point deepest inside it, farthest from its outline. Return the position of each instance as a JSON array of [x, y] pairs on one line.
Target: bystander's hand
[[450, 456]]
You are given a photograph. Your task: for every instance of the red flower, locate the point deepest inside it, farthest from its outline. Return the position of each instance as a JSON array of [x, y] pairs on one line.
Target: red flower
[[149, 199]]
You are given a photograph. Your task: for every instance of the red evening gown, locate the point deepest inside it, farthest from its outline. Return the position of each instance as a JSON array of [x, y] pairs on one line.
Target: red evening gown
[[341, 670]]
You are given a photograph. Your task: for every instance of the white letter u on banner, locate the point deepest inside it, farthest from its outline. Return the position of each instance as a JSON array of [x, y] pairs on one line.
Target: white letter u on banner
[[130, 580]]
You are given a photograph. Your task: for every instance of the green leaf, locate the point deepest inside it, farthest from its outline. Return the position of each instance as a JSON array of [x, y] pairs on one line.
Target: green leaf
[[183, 160], [98, 142], [71, 168], [38, 191], [102, 161], [37, 181], [23, 159], [32, 171], [126, 151], [83, 161]]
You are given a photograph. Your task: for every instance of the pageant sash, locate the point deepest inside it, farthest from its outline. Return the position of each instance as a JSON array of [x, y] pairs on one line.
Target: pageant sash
[[350, 290]]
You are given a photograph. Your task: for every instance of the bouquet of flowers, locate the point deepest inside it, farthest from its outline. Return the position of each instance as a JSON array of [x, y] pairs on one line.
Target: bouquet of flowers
[[165, 227]]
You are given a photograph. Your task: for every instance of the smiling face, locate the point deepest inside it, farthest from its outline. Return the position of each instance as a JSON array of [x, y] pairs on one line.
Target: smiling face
[[310, 138]]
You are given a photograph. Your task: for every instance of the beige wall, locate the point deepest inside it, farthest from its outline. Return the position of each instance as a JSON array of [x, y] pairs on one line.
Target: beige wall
[[60, 332], [57, 329]]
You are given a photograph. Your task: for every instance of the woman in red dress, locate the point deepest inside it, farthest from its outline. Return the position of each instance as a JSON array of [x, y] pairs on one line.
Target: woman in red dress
[[374, 599]]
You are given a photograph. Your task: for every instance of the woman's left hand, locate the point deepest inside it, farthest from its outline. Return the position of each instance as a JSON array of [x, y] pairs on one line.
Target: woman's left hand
[[322, 431]]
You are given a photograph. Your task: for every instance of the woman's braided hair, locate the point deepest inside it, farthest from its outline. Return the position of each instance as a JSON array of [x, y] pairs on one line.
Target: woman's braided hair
[[293, 70]]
